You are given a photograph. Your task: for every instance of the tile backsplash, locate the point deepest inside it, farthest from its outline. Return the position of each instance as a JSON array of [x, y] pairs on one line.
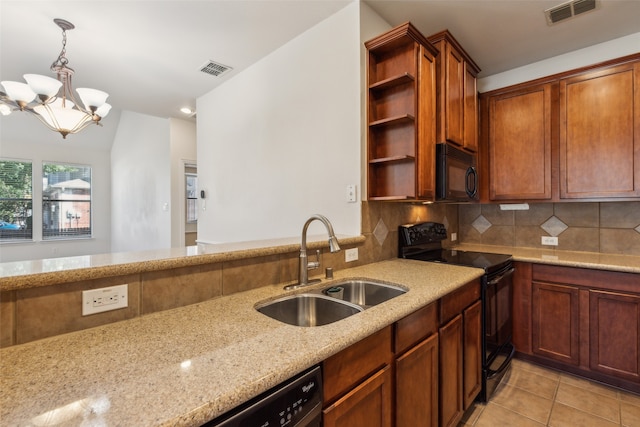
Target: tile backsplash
[[611, 227]]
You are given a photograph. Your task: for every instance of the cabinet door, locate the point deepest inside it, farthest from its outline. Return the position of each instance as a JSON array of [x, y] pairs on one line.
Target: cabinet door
[[451, 404], [600, 133], [426, 161], [367, 405], [454, 96], [520, 144], [342, 371], [555, 322], [472, 348], [417, 385], [614, 320], [470, 110]]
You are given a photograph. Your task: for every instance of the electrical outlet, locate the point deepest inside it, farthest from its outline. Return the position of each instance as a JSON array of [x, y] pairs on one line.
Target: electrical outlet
[[549, 240], [104, 299], [351, 255], [454, 237]]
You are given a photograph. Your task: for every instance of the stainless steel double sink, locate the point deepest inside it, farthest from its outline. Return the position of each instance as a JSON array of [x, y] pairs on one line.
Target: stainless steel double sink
[[336, 302]]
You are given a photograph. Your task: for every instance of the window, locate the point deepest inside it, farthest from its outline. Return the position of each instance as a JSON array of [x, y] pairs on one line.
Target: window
[[192, 197], [66, 201], [16, 190]]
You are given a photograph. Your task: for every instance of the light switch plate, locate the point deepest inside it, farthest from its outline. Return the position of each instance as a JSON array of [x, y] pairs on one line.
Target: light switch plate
[[351, 255], [351, 193]]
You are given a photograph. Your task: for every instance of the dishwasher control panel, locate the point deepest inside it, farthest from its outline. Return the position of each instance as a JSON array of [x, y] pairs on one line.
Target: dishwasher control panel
[[296, 402]]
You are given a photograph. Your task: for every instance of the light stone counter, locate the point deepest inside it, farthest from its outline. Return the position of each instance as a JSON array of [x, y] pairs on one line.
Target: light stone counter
[[45, 272], [185, 366], [593, 260]]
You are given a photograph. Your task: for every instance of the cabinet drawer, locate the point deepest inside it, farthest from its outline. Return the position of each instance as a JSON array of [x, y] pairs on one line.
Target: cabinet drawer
[[369, 404], [595, 279], [344, 370], [416, 327], [452, 304]]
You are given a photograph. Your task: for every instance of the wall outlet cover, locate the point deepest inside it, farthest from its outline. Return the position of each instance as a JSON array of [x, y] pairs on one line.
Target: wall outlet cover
[[104, 299], [549, 240]]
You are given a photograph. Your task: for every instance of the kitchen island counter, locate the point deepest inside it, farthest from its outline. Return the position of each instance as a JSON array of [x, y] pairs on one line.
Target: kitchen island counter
[[188, 365]]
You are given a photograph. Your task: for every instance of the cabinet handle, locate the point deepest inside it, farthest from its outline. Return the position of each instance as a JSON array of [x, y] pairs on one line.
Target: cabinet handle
[[502, 276]]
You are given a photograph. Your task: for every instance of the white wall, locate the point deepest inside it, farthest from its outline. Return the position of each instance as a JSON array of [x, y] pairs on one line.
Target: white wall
[[23, 137], [281, 140], [583, 57], [141, 184], [182, 137]]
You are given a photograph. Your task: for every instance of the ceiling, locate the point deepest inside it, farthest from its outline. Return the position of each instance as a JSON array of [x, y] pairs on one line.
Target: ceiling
[[147, 53]]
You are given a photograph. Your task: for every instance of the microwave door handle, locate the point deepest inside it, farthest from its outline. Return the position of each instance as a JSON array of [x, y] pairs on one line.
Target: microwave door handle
[[471, 177]]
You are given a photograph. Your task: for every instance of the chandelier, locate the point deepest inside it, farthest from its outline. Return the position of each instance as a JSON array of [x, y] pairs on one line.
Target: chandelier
[[52, 101]]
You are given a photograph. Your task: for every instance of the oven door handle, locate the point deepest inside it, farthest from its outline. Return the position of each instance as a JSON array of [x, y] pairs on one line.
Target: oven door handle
[[504, 364], [502, 276]]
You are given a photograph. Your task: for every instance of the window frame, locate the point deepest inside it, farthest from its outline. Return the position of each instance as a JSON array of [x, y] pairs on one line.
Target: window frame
[[47, 213]]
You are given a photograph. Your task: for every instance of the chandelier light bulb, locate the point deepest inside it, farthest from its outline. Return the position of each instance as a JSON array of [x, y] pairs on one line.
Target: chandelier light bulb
[[92, 98], [103, 110], [20, 92], [45, 87]]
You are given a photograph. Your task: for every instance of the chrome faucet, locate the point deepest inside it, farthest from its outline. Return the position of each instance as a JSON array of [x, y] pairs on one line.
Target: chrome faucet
[[304, 264]]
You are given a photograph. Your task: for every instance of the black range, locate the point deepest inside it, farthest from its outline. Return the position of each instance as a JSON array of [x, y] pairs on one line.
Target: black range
[[423, 242]]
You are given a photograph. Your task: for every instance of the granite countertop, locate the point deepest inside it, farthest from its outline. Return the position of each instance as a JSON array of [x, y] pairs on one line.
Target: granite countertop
[[45, 272], [593, 260], [188, 365]]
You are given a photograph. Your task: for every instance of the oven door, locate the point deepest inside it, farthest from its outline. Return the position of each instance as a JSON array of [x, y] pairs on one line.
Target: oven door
[[497, 301]]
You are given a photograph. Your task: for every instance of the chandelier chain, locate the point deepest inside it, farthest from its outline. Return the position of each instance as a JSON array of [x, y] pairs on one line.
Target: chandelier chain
[[62, 59]]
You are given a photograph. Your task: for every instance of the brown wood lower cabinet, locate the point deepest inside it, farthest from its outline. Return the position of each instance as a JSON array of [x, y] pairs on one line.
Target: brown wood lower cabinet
[[424, 370], [451, 403], [555, 323], [357, 383], [417, 367], [417, 385], [614, 327], [369, 404], [472, 353], [583, 321]]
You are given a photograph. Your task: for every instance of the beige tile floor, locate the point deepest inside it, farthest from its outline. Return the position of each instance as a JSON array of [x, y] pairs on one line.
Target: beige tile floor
[[534, 396]]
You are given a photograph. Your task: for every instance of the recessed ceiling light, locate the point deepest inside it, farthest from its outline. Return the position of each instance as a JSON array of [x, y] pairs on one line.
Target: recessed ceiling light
[[186, 110]]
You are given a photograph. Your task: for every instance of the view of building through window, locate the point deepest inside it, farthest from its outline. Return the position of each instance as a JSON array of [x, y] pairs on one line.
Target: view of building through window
[[66, 201], [16, 190]]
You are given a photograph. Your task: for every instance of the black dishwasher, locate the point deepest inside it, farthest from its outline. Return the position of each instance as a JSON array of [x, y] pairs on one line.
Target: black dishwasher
[[295, 403]]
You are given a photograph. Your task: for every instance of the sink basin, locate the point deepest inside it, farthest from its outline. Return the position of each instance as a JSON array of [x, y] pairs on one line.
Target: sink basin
[[366, 293], [308, 309]]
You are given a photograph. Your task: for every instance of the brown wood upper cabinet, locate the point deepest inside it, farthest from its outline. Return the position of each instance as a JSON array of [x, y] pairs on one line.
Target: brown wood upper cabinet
[[570, 136], [600, 133], [520, 143], [457, 104], [401, 76]]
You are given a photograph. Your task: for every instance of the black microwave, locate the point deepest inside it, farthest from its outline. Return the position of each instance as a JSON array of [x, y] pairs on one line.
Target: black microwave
[[456, 174]]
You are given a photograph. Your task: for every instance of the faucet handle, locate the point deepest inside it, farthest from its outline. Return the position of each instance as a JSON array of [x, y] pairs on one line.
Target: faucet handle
[[314, 264]]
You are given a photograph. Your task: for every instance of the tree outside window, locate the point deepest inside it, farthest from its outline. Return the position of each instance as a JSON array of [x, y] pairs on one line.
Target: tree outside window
[[16, 204]]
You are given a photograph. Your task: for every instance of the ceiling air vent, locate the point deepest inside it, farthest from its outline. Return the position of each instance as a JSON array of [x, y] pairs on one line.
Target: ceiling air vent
[[568, 10], [214, 68]]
